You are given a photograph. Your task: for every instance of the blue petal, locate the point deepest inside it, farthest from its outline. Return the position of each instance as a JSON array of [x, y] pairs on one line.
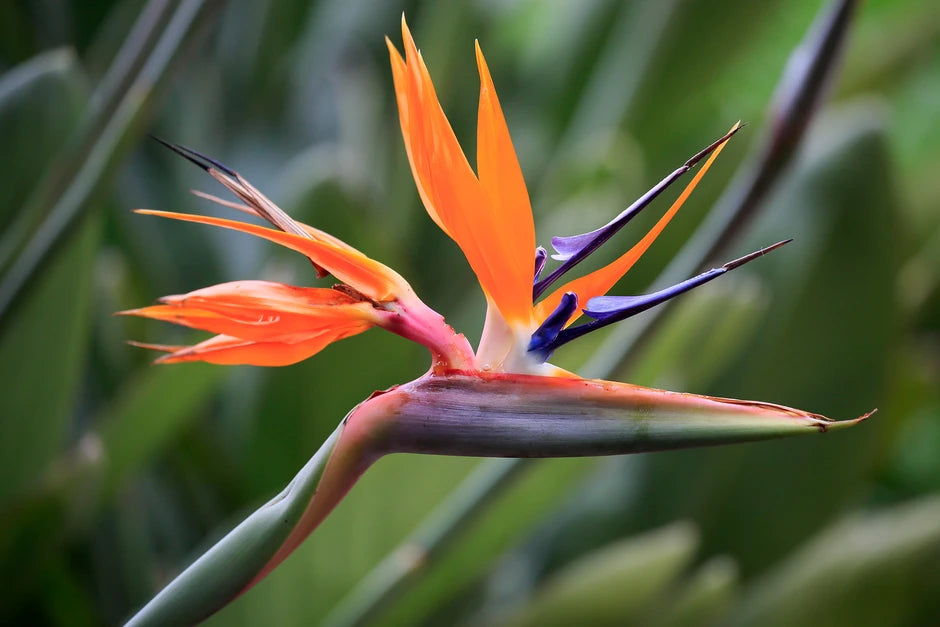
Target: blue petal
[[613, 308], [567, 247], [609, 309], [548, 332], [572, 249], [540, 256]]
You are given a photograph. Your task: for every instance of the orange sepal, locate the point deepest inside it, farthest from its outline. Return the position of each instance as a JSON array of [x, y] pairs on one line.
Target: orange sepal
[[453, 196], [373, 279], [600, 281], [260, 311], [225, 350], [501, 177]]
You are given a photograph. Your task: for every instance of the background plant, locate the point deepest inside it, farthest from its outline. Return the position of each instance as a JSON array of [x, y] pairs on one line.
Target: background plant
[[116, 473]]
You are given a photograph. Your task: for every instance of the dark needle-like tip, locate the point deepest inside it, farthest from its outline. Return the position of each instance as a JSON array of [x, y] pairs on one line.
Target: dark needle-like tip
[[573, 249], [731, 265], [197, 158], [711, 147]]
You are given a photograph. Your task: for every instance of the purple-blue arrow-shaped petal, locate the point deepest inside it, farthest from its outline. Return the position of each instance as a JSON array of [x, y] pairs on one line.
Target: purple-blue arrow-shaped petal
[[609, 309], [568, 246], [572, 249], [614, 308], [548, 331], [540, 256]]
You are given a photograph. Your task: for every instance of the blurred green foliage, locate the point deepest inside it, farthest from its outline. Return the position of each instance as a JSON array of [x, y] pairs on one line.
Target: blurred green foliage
[[115, 473]]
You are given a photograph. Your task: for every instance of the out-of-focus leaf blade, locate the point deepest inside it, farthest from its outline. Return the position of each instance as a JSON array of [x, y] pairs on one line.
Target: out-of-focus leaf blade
[[611, 585], [95, 159], [508, 518], [41, 102], [706, 595], [871, 569], [152, 410], [42, 350], [70, 494]]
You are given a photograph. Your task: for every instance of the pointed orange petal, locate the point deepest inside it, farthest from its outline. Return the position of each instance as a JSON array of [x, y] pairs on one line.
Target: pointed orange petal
[[229, 351], [501, 178], [260, 325], [449, 189], [597, 283], [371, 278], [226, 297], [261, 311], [402, 87]]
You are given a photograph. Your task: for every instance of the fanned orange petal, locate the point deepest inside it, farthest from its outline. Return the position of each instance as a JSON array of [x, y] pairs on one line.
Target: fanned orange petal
[[229, 351], [261, 311], [451, 192], [373, 279], [598, 283], [253, 293]]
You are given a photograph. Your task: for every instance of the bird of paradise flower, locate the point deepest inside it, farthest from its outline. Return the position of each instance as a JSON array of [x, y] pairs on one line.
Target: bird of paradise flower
[[502, 400]]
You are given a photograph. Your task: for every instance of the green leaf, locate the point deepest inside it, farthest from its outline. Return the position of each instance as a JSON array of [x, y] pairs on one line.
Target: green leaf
[[68, 498], [42, 351], [874, 569], [704, 596], [41, 103], [611, 585], [151, 411]]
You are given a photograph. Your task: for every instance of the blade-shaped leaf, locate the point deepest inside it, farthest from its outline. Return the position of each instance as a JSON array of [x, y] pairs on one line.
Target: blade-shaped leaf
[[874, 569], [42, 349], [613, 584], [41, 102]]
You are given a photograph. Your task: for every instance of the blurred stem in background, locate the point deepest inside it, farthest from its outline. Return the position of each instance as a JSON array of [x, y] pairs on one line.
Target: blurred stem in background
[[115, 112]]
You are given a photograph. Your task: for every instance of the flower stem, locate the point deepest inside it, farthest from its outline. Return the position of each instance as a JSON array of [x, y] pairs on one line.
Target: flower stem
[[229, 567], [412, 319]]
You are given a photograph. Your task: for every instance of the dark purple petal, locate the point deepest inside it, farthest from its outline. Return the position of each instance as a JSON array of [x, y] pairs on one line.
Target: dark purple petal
[[573, 249], [540, 256], [554, 323], [614, 308], [601, 307], [609, 309]]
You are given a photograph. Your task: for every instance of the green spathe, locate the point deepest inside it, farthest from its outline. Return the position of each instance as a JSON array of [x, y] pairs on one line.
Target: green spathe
[[473, 414]]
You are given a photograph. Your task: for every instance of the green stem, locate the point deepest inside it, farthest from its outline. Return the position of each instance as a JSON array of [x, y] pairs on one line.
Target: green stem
[[232, 565]]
